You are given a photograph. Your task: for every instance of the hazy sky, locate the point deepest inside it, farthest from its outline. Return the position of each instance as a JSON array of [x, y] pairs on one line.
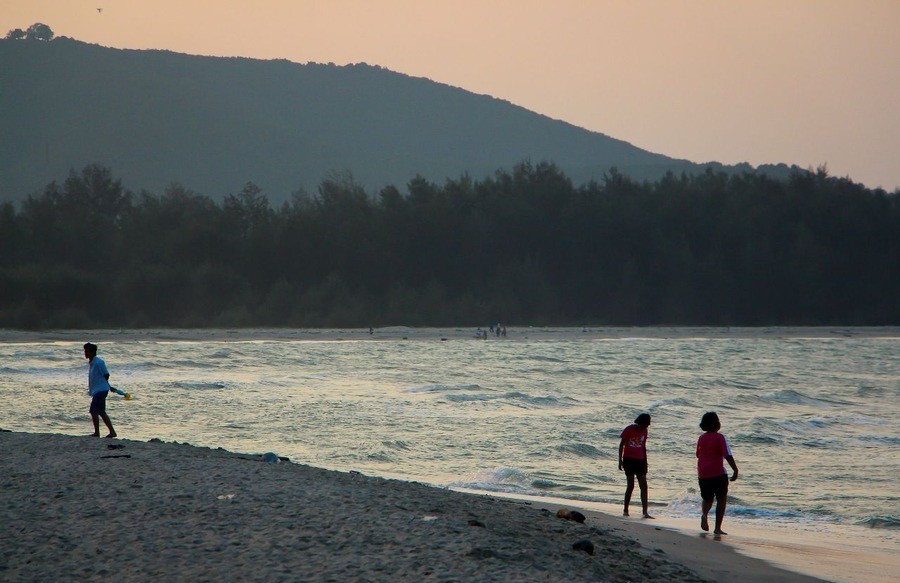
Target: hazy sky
[[805, 82]]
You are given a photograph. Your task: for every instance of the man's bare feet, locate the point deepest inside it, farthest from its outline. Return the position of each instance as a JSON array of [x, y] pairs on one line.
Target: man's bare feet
[[648, 516], [719, 531], [625, 512], [94, 435], [704, 523], [110, 436]]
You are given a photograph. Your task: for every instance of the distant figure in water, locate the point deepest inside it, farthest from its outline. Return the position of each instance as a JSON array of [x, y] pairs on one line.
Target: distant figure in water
[[98, 389], [712, 448], [633, 459]]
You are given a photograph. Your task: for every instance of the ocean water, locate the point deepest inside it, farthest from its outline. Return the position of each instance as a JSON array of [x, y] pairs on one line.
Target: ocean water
[[814, 422]]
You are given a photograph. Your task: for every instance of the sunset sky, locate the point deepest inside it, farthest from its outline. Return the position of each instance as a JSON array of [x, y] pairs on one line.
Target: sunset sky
[[806, 82]]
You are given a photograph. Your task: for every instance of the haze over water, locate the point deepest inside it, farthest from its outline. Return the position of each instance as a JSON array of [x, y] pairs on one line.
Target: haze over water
[[813, 422]]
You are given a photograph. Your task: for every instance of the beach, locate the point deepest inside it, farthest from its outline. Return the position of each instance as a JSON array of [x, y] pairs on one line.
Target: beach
[[399, 436], [393, 333], [91, 509]]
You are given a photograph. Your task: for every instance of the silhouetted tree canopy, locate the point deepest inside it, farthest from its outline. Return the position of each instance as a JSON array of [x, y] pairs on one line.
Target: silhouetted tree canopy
[[37, 31], [15, 34], [525, 246]]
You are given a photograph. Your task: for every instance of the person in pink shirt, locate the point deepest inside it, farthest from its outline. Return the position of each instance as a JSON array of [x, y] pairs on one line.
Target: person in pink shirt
[[633, 459], [712, 449]]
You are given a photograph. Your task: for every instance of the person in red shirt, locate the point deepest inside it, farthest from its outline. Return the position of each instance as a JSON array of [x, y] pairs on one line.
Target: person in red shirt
[[633, 459], [712, 448]]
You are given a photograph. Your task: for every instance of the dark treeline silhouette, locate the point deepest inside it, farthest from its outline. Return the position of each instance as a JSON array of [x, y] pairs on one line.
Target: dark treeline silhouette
[[524, 246]]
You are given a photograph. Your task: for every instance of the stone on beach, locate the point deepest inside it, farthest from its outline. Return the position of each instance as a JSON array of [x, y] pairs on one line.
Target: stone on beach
[[573, 515], [584, 545]]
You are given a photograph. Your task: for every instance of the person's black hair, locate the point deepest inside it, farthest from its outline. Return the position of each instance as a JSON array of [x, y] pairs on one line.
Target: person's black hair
[[643, 420], [710, 422], [90, 347]]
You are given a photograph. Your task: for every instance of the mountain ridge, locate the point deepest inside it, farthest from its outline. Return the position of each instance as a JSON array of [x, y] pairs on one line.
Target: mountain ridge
[[213, 124]]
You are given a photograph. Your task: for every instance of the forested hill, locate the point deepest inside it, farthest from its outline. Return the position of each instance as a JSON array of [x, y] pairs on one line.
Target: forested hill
[[520, 247], [214, 124]]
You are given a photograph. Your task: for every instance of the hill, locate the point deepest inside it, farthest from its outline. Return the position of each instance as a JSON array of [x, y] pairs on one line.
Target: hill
[[213, 124]]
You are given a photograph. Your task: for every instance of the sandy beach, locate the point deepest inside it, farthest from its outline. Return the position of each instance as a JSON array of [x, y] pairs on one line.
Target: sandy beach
[[91, 509], [437, 334]]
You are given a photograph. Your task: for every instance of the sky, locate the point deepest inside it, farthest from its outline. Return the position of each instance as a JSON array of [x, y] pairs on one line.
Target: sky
[[807, 82]]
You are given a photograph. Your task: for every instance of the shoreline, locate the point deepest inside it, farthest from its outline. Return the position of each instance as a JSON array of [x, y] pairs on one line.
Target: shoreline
[[74, 507], [828, 557], [395, 333]]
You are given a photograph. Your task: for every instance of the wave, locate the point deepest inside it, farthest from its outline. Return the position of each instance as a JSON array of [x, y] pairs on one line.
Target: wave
[[196, 385], [687, 504], [824, 443], [44, 371], [677, 401], [444, 388], [544, 484], [816, 425], [739, 384], [754, 437], [453, 398], [509, 480], [769, 430], [792, 397], [513, 398], [155, 365], [755, 512], [582, 450], [396, 444], [504, 476], [576, 371], [887, 522], [542, 358], [192, 364], [611, 433], [58, 417], [869, 391], [880, 439], [541, 401], [379, 456]]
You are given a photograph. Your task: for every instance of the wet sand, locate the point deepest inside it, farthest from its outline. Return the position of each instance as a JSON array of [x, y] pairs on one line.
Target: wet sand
[[91, 509], [849, 556]]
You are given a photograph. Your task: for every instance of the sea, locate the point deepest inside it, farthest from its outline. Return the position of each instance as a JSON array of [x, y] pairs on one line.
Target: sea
[[813, 418]]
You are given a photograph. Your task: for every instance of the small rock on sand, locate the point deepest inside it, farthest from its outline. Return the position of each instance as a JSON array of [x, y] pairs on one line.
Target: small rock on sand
[[570, 515], [584, 545]]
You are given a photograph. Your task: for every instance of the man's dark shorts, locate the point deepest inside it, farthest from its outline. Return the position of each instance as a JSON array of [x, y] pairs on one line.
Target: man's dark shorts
[[710, 487], [634, 466], [98, 403]]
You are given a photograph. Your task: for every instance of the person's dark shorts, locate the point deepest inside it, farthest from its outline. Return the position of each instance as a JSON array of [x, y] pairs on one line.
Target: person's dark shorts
[[711, 487], [98, 403], [634, 466]]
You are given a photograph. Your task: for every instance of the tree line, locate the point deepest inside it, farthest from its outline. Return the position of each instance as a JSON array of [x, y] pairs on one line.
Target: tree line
[[522, 246]]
